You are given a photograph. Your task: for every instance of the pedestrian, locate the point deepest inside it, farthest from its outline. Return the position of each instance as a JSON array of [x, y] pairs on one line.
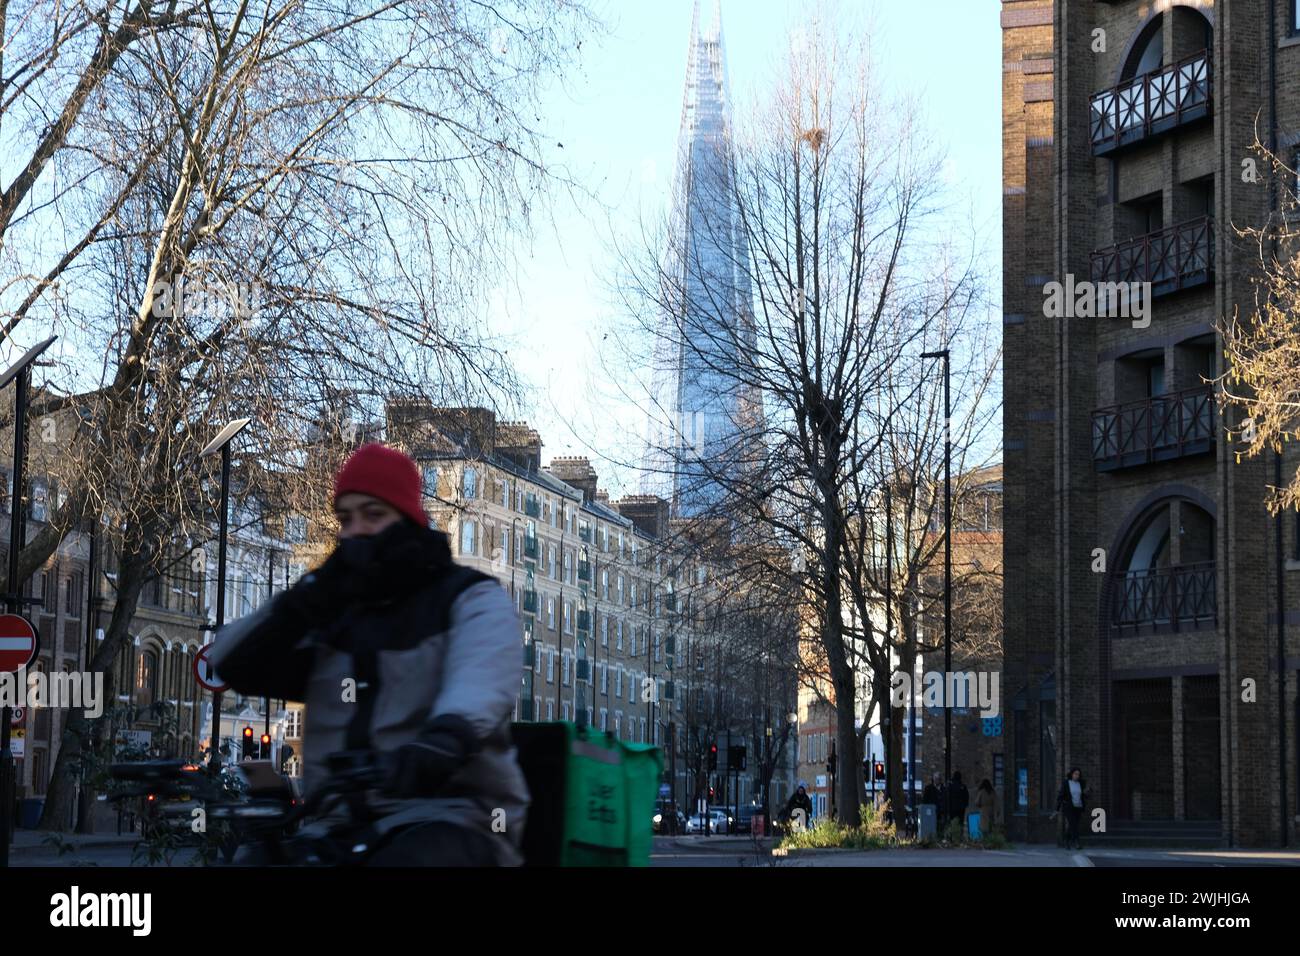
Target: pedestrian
[[933, 795], [431, 650], [1071, 801], [985, 803], [958, 799]]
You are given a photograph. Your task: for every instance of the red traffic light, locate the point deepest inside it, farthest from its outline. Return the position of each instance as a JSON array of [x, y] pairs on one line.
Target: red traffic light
[[266, 740], [880, 769], [248, 733]]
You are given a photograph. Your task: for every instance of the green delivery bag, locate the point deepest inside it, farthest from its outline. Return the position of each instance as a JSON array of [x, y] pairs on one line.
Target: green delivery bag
[[593, 796]]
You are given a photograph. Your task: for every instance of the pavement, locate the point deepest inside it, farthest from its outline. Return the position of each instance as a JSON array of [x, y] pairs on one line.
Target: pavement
[[741, 851]]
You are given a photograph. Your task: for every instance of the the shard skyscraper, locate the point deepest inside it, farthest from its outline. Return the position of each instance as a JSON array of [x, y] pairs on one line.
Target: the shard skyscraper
[[704, 404]]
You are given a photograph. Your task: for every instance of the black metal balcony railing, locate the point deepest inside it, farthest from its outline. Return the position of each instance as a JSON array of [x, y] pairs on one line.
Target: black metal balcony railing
[[584, 620], [530, 602], [1173, 258], [1160, 428], [584, 570], [1152, 103], [1180, 598], [530, 548], [532, 507]]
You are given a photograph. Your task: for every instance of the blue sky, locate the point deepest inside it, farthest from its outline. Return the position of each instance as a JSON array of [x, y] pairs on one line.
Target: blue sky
[[618, 116]]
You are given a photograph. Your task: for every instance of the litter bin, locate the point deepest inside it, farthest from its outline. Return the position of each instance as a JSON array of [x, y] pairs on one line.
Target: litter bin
[[973, 826], [927, 822], [29, 814]]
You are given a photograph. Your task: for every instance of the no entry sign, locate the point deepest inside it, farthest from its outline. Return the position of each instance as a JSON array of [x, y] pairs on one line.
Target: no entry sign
[[203, 672], [18, 643]]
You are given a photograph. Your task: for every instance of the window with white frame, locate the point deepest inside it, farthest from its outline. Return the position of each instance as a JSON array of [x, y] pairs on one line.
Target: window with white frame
[[618, 723], [568, 617], [565, 670], [618, 639], [568, 566], [632, 647], [604, 630], [618, 682], [604, 719], [642, 735], [505, 492], [469, 483], [658, 649], [604, 584], [467, 530], [633, 592], [550, 613], [429, 480], [550, 667], [565, 710], [537, 708], [620, 590], [293, 724], [604, 679], [550, 559], [633, 681], [550, 710]]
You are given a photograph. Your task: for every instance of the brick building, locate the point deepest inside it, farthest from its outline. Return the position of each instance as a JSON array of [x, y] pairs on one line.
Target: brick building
[[1142, 570]]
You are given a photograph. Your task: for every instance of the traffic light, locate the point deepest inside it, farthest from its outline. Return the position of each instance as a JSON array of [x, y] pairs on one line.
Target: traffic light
[[713, 757], [264, 752], [880, 770], [247, 750], [866, 771], [736, 757]]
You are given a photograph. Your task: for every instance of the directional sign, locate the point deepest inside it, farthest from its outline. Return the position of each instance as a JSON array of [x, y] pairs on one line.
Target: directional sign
[[204, 673], [18, 642]]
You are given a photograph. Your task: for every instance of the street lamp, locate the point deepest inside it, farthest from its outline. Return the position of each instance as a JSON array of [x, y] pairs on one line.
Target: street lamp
[[947, 556], [221, 444], [22, 371]]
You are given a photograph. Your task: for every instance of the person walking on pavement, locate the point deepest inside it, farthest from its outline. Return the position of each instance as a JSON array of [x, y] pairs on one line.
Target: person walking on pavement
[[403, 654], [958, 799], [985, 804], [1071, 800]]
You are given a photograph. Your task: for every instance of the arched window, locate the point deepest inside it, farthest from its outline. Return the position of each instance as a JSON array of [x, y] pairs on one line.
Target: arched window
[[146, 678]]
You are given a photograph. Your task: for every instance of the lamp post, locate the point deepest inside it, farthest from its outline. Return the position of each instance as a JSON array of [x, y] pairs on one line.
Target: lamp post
[[947, 556], [21, 374], [221, 444]]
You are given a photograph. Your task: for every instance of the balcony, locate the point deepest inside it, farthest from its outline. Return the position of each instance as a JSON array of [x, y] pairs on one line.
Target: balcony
[[1180, 598], [532, 507], [584, 620], [530, 602], [1152, 103], [584, 570], [1160, 428], [530, 548], [1173, 258]]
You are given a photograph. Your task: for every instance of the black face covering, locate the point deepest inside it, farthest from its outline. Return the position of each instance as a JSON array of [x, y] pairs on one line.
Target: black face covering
[[395, 560]]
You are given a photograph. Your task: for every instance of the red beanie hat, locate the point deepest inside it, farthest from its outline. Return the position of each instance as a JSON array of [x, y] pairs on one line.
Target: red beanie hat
[[384, 473]]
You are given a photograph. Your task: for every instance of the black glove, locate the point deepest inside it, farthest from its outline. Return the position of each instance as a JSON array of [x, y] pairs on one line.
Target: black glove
[[421, 767], [320, 596]]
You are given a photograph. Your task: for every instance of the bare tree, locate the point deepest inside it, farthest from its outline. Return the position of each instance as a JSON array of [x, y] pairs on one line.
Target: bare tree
[[788, 309], [255, 212]]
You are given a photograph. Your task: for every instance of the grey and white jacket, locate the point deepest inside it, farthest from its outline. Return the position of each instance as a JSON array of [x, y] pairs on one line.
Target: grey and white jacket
[[408, 638]]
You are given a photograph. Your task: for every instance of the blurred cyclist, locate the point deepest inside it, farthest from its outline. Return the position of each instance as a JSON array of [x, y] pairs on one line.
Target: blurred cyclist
[[399, 651]]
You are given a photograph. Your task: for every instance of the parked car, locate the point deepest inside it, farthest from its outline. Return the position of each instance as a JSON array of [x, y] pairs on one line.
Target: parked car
[[745, 818], [720, 822]]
